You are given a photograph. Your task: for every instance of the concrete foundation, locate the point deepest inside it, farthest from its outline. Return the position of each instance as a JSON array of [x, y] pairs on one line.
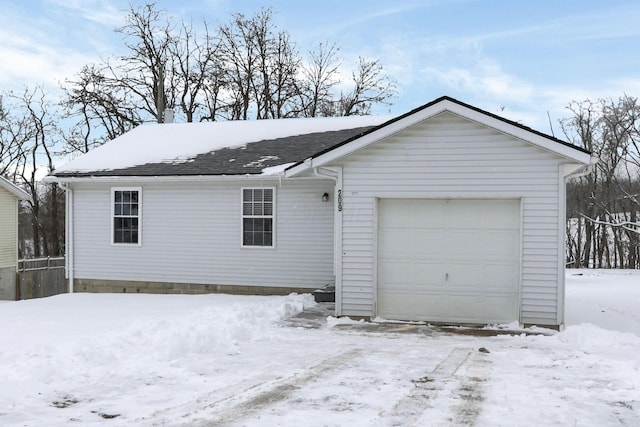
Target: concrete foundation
[[118, 286], [8, 283]]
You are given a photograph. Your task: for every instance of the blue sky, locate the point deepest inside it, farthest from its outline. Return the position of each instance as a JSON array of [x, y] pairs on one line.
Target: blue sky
[[520, 59]]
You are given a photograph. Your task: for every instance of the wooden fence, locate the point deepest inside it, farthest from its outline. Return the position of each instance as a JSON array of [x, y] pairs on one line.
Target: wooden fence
[[40, 277]]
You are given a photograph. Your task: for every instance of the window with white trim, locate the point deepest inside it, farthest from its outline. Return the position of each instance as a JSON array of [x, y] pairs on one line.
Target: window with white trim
[[257, 216], [126, 210]]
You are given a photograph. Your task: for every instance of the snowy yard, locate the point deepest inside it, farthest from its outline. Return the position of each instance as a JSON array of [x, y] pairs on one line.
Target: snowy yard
[[174, 360]]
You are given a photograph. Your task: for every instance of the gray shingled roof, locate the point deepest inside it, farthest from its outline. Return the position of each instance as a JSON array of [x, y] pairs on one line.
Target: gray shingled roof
[[251, 158]]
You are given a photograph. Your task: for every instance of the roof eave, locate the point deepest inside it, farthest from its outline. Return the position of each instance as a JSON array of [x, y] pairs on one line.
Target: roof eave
[[159, 178], [14, 189]]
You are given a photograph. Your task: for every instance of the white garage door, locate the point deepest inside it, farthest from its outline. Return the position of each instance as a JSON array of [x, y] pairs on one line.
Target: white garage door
[[453, 261]]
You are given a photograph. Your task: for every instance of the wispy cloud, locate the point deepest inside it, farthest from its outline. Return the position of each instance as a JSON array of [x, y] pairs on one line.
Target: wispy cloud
[[98, 11], [609, 22], [385, 12], [46, 48], [485, 78]]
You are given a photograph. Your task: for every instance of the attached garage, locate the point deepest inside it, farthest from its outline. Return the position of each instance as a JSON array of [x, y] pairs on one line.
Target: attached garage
[[449, 260], [450, 214]]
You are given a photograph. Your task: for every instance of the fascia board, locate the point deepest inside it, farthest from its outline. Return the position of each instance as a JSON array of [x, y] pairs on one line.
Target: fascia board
[[172, 178], [296, 170], [14, 189]]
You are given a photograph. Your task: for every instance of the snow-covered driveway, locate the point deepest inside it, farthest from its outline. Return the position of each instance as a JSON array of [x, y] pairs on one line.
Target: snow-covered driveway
[[226, 360]]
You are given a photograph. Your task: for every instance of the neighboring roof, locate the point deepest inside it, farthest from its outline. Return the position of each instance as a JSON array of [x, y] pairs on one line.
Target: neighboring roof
[[14, 189], [215, 148], [444, 103]]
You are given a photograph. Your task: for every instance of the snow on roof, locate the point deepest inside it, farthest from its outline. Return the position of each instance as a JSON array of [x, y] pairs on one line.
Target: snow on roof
[[179, 142]]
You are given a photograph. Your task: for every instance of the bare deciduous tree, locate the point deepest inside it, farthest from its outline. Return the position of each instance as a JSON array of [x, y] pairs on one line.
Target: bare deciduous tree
[[194, 68], [603, 228], [32, 118], [148, 36], [320, 76], [370, 86], [103, 110]]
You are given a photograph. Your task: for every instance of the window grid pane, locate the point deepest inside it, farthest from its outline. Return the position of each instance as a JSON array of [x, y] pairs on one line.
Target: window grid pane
[[257, 217], [125, 216]]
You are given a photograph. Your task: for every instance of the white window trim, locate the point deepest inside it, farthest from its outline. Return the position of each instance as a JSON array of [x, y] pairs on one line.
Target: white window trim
[[113, 200], [273, 218]]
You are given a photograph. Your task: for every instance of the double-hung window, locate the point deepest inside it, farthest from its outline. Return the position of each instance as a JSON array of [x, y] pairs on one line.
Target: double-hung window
[[126, 206], [257, 217]]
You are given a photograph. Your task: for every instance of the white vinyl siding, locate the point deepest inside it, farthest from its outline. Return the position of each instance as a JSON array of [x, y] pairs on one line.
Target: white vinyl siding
[[192, 232], [8, 229], [451, 157]]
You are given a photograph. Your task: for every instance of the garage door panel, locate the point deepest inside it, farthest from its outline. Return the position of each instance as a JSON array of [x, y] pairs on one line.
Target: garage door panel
[[426, 302], [498, 277], [452, 307], [410, 213], [458, 215], [407, 213], [500, 214], [429, 274], [464, 307], [398, 238], [437, 213], [393, 305], [394, 274], [426, 243], [411, 243], [449, 260], [410, 306], [462, 244], [497, 308], [461, 275], [481, 244]]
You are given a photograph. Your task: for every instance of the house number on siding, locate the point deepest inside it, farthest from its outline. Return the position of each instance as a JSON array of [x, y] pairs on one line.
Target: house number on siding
[[339, 200]]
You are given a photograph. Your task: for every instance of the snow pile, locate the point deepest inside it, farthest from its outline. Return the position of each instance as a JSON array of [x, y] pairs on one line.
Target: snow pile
[[127, 326], [592, 339], [69, 339]]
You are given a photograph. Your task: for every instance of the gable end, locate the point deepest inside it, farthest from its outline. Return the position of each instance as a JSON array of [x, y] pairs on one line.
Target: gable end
[[500, 124]]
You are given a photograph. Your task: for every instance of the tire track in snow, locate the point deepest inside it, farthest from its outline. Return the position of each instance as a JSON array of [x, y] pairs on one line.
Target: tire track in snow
[[271, 392], [439, 388], [624, 412], [471, 390]]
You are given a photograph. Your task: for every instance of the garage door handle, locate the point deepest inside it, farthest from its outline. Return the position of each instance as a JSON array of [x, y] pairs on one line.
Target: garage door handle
[[446, 277]]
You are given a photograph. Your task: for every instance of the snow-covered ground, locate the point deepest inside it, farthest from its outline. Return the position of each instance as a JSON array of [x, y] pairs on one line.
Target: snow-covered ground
[[217, 360]]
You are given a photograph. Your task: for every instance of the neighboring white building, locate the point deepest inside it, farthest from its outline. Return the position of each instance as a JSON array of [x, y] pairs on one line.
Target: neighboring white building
[[445, 214], [10, 196]]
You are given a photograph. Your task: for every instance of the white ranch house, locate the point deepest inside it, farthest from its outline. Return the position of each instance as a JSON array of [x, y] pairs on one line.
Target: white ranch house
[[445, 214], [10, 196]]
